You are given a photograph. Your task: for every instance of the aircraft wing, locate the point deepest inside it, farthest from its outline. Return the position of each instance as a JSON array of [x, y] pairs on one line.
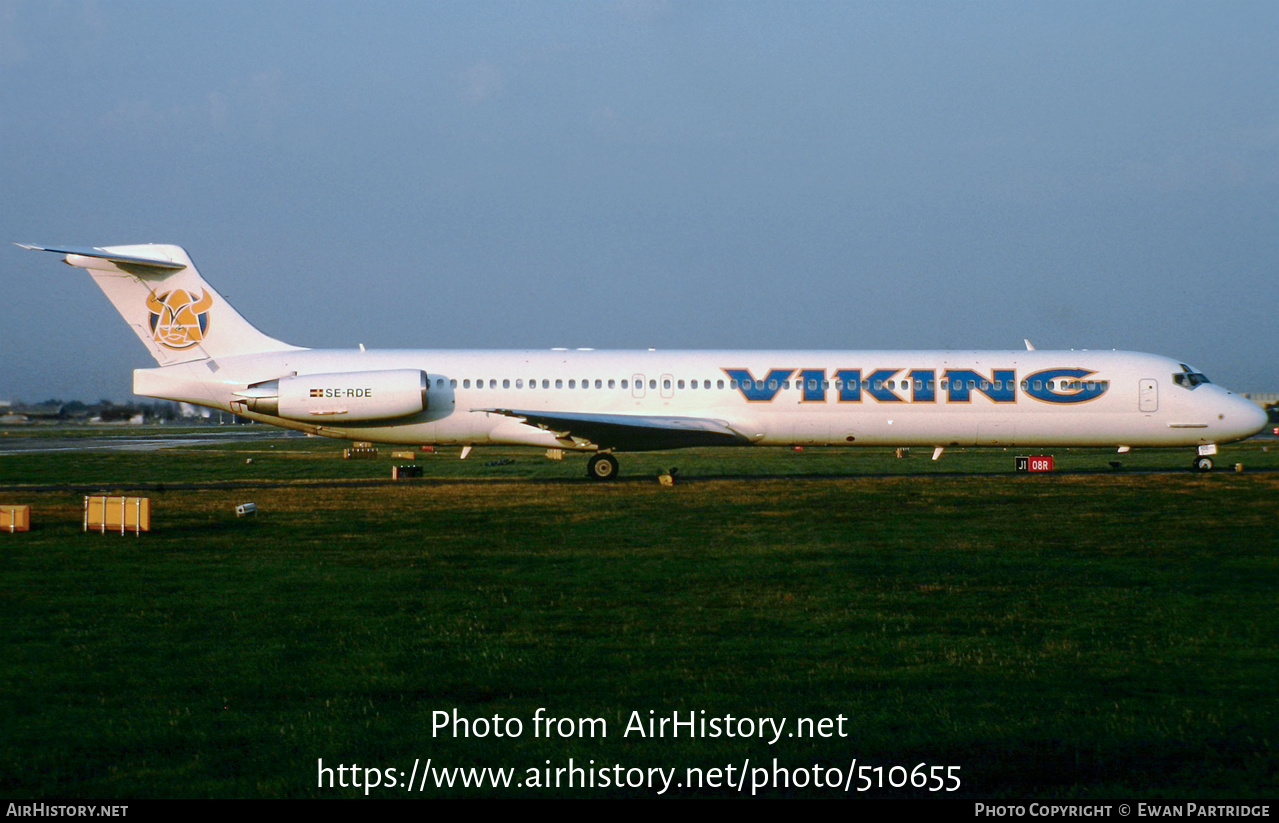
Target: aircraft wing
[[630, 432]]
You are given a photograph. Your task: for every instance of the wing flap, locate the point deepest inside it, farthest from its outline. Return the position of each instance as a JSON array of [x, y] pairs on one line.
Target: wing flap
[[630, 432]]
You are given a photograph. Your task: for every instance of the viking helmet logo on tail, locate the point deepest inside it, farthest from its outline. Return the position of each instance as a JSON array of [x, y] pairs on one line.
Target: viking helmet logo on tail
[[179, 319]]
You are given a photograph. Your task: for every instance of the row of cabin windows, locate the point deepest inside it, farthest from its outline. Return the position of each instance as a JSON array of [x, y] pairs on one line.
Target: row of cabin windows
[[774, 385], [585, 384], [546, 384]]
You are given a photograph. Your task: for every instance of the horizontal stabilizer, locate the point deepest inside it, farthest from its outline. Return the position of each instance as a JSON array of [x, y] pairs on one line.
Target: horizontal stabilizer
[[109, 255]]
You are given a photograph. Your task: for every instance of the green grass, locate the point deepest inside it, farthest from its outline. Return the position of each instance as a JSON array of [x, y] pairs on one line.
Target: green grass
[[1093, 633]]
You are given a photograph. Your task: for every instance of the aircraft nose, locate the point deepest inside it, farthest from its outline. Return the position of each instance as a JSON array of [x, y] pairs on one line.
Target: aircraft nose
[[1248, 417]]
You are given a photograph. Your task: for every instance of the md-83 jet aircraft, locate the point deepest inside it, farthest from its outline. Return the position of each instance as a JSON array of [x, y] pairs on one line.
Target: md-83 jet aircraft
[[604, 402]]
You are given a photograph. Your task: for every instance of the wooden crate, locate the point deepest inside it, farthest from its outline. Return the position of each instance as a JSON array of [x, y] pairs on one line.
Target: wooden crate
[[15, 518], [126, 514]]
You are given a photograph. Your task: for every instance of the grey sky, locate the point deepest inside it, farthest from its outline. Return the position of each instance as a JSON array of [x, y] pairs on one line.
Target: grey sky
[[646, 173]]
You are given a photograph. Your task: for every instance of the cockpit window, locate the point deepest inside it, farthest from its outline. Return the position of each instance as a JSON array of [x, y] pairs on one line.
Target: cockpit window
[[1188, 378]]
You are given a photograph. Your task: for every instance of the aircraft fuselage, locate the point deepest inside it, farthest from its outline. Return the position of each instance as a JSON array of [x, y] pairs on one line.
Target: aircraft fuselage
[[841, 398]]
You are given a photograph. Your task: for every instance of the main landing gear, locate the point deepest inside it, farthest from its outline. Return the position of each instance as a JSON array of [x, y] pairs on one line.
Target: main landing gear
[[602, 467]]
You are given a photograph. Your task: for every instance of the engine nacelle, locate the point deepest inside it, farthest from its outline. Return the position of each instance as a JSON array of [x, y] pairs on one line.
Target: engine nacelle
[[345, 396]]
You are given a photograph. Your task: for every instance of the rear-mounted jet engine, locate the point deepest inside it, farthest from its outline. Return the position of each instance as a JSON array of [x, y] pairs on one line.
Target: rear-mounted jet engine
[[345, 396]]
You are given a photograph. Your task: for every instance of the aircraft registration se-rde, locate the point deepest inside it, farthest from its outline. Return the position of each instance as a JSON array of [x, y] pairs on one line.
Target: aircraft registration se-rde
[[603, 402]]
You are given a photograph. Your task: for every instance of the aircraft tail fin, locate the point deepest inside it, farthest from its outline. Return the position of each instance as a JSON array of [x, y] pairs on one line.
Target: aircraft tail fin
[[174, 312]]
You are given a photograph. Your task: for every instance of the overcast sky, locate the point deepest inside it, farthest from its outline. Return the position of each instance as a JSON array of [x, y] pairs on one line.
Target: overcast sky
[[646, 173]]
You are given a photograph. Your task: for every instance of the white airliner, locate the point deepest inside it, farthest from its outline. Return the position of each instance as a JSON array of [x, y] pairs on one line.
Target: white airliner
[[604, 402]]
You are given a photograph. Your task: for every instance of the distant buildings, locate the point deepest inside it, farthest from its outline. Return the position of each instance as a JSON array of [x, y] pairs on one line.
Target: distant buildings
[[10, 413], [56, 411], [1261, 398]]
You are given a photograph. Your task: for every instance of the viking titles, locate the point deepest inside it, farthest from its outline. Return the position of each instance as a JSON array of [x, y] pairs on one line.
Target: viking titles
[[899, 385]]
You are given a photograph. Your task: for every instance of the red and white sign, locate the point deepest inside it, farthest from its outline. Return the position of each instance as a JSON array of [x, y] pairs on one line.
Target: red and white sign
[[1035, 463]]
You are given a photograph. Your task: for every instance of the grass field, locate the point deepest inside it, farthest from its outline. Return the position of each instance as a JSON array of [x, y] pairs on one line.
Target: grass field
[[1095, 632]]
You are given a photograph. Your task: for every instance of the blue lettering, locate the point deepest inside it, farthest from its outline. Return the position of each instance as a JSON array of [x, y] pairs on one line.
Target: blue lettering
[[959, 385], [759, 391], [964, 381], [877, 388], [924, 382], [814, 381], [850, 385], [1065, 391]]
